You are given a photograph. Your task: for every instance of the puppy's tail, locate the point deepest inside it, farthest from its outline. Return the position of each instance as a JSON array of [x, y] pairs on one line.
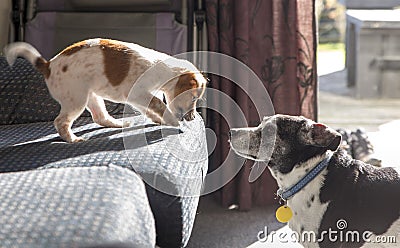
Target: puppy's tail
[[27, 51]]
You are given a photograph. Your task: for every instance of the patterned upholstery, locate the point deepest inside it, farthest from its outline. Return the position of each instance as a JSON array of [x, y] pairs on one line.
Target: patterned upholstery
[[171, 163], [75, 207]]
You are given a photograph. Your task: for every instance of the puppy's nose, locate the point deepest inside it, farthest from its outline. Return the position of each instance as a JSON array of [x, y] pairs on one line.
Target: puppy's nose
[[179, 114]]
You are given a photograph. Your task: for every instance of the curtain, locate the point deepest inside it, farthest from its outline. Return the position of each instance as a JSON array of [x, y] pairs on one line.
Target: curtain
[[277, 40]]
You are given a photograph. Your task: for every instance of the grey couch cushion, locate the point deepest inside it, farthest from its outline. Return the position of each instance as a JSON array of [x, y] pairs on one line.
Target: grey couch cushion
[[75, 207], [173, 174]]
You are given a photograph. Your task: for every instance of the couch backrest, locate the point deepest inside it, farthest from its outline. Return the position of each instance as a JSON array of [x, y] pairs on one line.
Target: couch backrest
[[105, 5], [24, 97]]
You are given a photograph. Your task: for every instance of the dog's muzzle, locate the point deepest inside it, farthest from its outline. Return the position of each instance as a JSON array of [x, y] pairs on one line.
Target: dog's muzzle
[[189, 116]]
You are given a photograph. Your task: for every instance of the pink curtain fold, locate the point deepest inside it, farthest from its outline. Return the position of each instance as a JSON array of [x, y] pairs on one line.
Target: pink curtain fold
[[277, 40]]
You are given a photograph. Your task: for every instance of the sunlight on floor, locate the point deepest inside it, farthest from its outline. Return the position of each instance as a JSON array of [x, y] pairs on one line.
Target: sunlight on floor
[[386, 143], [330, 59], [282, 238], [339, 108]]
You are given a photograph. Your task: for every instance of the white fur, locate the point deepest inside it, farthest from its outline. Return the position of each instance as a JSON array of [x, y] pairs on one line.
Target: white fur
[[308, 217], [22, 49]]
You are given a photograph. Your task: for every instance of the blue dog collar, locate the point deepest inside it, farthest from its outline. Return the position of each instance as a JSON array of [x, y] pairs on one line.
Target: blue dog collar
[[286, 194]]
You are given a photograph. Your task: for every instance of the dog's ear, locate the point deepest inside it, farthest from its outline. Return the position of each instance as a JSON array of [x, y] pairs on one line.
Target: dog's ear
[[323, 136]]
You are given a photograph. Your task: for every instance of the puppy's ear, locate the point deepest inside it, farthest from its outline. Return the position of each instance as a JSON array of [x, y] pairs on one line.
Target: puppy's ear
[[323, 136]]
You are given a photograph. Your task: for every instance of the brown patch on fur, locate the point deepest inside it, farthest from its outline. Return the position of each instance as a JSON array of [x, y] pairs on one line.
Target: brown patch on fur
[[186, 82], [74, 48], [42, 66], [117, 59], [65, 68]]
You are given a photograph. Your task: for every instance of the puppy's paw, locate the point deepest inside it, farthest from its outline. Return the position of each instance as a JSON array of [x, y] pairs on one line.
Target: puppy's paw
[[118, 124], [76, 140], [126, 124]]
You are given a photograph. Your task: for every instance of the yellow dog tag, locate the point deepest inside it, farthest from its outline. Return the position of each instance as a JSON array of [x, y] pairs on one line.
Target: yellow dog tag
[[283, 214]]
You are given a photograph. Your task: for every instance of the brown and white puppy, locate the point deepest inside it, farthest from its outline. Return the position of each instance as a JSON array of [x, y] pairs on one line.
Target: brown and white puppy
[[85, 73], [364, 196]]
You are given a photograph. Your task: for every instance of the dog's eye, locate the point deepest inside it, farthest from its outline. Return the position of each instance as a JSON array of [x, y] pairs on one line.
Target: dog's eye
[[194, 99]]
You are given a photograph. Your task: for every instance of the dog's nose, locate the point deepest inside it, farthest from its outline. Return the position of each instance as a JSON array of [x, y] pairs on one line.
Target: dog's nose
[[180, 114]]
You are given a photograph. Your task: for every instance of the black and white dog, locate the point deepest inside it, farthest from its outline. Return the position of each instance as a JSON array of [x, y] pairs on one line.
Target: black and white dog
[[329, 192]]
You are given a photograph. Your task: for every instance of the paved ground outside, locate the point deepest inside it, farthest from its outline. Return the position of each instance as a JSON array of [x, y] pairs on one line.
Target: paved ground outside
[[339, 108]]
